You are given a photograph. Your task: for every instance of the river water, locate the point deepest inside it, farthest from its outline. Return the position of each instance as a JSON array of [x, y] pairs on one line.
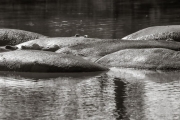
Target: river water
[[117, 94]]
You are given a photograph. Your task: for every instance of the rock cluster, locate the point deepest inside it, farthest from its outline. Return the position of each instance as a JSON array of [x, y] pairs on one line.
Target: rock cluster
[[151, 48]]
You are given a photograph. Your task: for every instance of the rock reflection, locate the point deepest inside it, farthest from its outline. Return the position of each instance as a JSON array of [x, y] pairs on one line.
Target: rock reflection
[[46, 99], [66, 97], [96, 99], [162, 99], [119, 94], [150, 95]]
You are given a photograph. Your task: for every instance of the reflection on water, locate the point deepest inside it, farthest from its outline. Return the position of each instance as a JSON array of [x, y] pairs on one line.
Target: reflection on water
[[52, 98], [150, 95], [118, 94], [96, 99]]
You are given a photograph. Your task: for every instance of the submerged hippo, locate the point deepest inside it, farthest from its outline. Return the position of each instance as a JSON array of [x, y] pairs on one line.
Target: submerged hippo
[[169, 33], [14, 36], [91, 48], [43, 61], [154, 58]]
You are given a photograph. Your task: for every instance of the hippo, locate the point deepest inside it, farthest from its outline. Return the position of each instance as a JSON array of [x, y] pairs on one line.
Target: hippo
[[169, 33], [91, 48], [15, 36], [154, 58], [44, 61]]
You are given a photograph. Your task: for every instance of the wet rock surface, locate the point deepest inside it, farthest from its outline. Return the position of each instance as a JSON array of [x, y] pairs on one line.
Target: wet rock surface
[[155, 58], [14, 36], [92, 48], [169, 33], [42, 61]]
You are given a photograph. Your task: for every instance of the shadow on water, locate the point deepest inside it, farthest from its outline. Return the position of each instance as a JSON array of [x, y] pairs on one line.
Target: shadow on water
[[117, 94], [47, 76]]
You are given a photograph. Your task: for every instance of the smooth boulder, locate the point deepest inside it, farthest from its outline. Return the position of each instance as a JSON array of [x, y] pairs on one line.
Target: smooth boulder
[[15, 36], [43, 61], [96, 50], [92, 48], [169, 33], [155, 58]]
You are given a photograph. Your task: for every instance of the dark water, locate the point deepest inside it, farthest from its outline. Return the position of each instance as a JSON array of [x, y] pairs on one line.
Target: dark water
[[96, 18], [125, 94]]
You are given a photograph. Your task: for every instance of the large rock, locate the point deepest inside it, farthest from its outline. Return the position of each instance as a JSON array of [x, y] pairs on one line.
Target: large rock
[[92, 48], [96, 50], [43, 61], [171, 32], [14, 36], [155, 58]]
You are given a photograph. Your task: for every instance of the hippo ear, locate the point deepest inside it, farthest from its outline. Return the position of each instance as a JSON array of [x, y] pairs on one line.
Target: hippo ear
[[11, 47]]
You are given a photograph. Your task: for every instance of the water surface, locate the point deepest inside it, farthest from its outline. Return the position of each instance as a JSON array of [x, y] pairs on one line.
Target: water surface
[[126, 94], [96, 18]]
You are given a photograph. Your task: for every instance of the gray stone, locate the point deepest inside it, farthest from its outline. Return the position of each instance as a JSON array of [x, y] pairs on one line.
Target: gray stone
[[14, 36], [43, 61], [169, 33], [155, 58]]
